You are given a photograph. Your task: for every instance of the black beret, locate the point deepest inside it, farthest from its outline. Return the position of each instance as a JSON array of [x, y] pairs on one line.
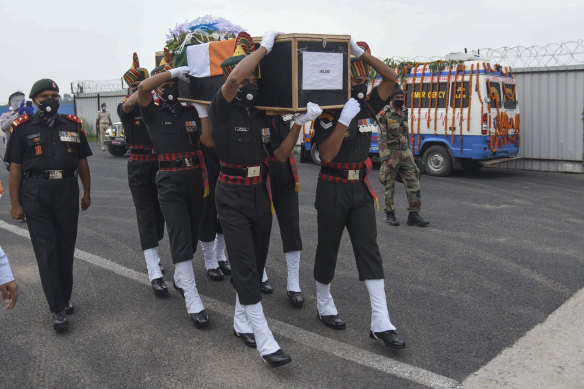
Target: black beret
[[41, 85]]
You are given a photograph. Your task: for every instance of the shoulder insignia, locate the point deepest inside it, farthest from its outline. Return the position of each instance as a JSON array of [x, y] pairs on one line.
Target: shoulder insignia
[[327, 116], [73, 118], [20, 120]]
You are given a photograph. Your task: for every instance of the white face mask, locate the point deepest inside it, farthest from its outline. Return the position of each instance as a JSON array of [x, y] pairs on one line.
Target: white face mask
[[103, 109]]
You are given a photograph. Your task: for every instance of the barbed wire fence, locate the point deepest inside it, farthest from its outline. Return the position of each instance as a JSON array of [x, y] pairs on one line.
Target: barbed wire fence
[[553, 54], [95, 86]]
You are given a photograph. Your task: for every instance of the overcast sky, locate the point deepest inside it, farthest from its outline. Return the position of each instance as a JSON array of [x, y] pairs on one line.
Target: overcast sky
[[69, 40]]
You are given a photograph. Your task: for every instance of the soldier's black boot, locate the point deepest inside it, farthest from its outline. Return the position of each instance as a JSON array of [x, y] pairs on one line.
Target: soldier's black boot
[[416, 220], [60, 322], [391, 219]]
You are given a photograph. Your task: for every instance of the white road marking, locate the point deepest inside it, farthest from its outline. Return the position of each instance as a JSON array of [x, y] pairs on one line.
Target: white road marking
[[551, 355], [299, 335]]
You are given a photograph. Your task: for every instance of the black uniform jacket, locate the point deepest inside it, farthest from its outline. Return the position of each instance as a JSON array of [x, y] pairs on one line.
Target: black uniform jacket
[[355, 146], [38, 147], [134, 127], [172, 133], [242, 136]]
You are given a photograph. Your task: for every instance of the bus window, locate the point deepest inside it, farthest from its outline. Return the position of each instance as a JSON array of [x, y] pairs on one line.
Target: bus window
[[510, 97], [494, 94], [459, 89], [427, 99]]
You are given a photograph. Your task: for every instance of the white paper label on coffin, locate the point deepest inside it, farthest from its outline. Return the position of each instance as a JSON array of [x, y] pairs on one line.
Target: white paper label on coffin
[[322, 71]]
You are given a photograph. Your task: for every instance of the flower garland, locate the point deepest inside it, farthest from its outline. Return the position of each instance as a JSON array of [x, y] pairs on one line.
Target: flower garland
[[412, 105], [447, 104], [436, 103], [420, 105], [430, 100], [470, 99], [480, 98], [454, 106], [200, 30]]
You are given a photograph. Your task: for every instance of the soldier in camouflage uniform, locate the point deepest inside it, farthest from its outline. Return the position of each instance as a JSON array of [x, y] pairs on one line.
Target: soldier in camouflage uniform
[[397, 159]]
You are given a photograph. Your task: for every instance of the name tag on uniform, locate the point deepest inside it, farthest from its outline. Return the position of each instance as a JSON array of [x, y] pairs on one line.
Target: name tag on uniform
[[266, 135], [241, 129], [191, 126], [352, 174], [367, 125], [253, 171], [166, 124], [68, 136]]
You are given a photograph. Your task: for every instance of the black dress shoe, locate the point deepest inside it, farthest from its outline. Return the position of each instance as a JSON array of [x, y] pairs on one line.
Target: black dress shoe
[[215, 274], [266, 287], [248, 338], [69, 308], [295, 298], [390, 338], [159, 287], [416, 220], [332, 321], [60, 321], [180, 290], [200, 319], [391, 219], [277, 359], [225, 267]]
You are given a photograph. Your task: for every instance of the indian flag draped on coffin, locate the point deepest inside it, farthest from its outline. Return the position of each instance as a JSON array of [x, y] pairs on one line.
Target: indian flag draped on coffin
[[202, 45]]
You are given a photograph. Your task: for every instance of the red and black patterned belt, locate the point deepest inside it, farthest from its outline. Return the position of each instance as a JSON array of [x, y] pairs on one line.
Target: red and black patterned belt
[[340, 172], [173, 162], [242, 174], [249, 175], [142, 154]]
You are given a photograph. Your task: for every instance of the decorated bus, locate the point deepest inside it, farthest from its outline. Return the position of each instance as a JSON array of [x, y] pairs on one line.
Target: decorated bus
[[462, 112]]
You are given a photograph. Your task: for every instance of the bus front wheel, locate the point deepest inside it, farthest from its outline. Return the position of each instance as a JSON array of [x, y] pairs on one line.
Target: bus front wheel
[[437, 161]]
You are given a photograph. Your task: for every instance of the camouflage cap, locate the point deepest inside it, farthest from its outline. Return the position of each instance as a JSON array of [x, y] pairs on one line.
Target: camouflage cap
[[42, 85]]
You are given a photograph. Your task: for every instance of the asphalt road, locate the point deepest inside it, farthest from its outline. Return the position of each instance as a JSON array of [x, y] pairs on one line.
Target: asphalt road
[[502, 252]]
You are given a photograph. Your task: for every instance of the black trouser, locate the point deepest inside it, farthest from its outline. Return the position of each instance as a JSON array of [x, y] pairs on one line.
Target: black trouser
[[286, 206], [246, 218], [181, 200], [350, 205], [142, 182], [209, 225], [52, 210]]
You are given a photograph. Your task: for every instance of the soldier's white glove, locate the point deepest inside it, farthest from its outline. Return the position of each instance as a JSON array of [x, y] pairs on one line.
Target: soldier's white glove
[[350, 110], [356, 50], [268, 40], [312, 112], [180, 72], [201, 110]]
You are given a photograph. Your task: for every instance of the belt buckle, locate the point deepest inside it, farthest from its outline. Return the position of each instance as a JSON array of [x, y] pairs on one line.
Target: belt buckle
[[253, 171], [188, 162], [55, 174], [352, 175]]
